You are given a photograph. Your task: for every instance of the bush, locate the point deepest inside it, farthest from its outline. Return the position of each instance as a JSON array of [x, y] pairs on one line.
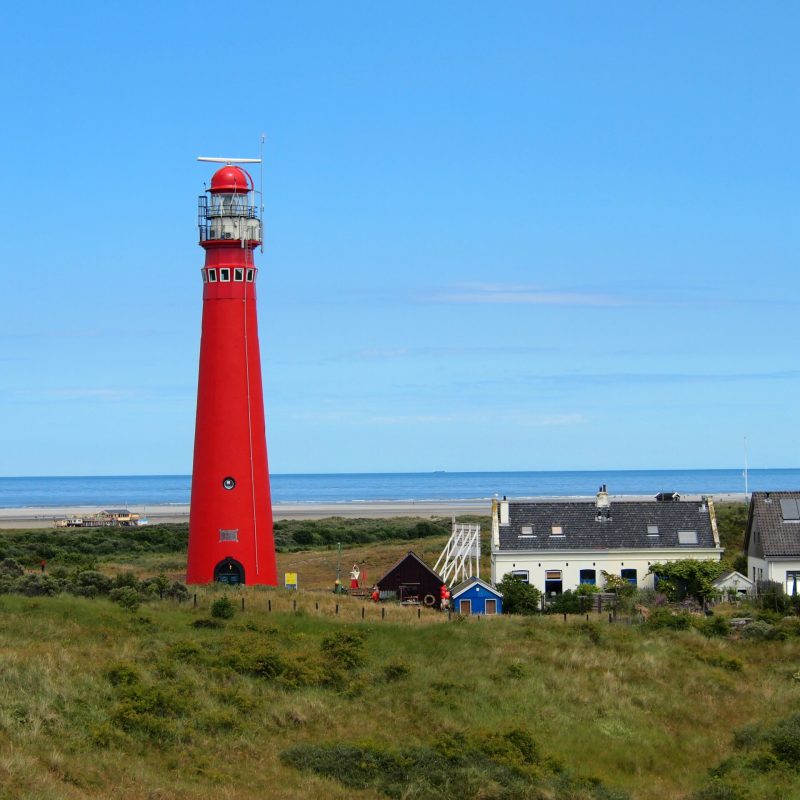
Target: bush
[[91, 583], [664, 618], [715, 626], [222, 608], [395, 670], [10, 567], [345, 648], [126, 597], [687, 578], [36, 584], [570, 602], [519, 597], [758, 631]]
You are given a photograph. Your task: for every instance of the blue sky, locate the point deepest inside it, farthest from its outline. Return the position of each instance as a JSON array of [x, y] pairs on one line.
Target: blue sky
[[498, 236]]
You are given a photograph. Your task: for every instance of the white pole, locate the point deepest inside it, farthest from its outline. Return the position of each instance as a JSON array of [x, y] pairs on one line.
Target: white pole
[[745, 469]]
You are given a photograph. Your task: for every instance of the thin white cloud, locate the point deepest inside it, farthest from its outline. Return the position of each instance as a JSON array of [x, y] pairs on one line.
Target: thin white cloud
[[520, 418], [515, 294]]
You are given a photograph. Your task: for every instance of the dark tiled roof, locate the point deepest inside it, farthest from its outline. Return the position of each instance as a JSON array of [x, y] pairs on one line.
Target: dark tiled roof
[[625, 528], [777, 538]]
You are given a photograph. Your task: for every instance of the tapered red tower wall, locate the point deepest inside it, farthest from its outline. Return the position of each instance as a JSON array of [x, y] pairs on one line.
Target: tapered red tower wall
[[230, 524]]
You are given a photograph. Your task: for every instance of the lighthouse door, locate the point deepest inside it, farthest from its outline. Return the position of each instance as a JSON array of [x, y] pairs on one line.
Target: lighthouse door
[[229, 571]]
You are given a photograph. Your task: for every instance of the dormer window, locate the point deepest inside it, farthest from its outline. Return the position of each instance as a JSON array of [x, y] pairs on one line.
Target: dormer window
[[687, 537], [526, 532], [557, 530], [652, 530]]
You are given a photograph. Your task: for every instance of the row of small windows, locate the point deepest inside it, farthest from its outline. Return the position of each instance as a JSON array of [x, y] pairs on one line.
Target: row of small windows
[[684, 537], [223, 274]]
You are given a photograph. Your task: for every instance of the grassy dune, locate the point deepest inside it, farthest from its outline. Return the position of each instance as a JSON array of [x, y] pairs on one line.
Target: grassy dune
[[96, 702]]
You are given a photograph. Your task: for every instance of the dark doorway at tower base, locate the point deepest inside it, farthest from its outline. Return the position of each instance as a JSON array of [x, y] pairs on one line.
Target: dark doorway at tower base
[[229, 571]]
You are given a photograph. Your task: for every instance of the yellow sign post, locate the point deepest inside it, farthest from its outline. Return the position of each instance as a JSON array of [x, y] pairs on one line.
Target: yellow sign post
[[290, 580]]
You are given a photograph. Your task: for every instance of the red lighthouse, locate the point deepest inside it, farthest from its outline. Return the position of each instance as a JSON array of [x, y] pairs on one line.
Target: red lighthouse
[[230, 522]]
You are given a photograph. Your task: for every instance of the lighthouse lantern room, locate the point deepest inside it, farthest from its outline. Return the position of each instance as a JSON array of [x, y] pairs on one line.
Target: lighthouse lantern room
[[230, 524]]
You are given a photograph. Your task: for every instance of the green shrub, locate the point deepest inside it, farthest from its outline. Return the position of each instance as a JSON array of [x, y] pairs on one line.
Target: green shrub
[[519, 597], [715, 626], [222, 608], [345, 648], [122, 673], [37, 584], [90, 583], [758, 631], [784, 741], [207, 623], [126, 597], [395, 669], [664, 618], [10, 567]]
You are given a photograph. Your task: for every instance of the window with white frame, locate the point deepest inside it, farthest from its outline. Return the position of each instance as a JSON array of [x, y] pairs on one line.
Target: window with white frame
[[224, 274], [251, 275], [238, 274], [212, 276], [557, 530], [522, 574], [793, 583], [687, 537]]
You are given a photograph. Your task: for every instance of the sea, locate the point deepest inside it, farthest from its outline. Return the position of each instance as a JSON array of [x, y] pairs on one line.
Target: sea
[[146, 490]]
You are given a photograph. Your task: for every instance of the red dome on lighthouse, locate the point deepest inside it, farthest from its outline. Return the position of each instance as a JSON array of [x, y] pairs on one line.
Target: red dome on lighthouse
[[230, 179]]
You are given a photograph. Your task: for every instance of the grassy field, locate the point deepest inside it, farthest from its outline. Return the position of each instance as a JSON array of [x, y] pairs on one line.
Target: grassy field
[[99, 702], [290, 699]]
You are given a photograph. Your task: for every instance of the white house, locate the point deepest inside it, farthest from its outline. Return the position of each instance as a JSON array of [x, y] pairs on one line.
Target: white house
[[558, 544], [772, 541]]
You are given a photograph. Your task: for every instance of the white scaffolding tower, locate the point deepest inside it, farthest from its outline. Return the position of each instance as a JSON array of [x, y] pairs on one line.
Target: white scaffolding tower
[[461, 557]]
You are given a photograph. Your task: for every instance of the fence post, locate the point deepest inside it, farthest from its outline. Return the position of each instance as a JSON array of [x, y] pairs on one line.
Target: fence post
[[565, 616], [294, 605], [419, 613], [362, 612], [243, 604], [610, 619], [600, 604], [448, 615], [316, 606], [269, 604], [195, 601], [383, 612], [337, 608]]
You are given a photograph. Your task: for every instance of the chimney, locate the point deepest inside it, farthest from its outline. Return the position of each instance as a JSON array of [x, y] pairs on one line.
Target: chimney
[[504, 511], [603, 500]]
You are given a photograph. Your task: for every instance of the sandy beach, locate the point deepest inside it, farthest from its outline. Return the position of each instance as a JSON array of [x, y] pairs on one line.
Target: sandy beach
[[41, 517]]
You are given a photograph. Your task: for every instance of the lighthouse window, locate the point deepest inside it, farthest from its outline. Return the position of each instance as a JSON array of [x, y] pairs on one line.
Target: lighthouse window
[[212, 276], [251, 273], [238, 275], [225, 275], [205, 276]]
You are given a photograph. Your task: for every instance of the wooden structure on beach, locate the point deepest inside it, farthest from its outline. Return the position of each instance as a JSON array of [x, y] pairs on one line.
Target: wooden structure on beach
[[110, 518]]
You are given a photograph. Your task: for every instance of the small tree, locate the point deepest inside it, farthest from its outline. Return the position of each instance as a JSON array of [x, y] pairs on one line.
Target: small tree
[[687, 577], [519, 597], [222, 608]]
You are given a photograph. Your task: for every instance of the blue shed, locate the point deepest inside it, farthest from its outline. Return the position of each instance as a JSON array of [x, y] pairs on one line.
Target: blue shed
[[475, 596]]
